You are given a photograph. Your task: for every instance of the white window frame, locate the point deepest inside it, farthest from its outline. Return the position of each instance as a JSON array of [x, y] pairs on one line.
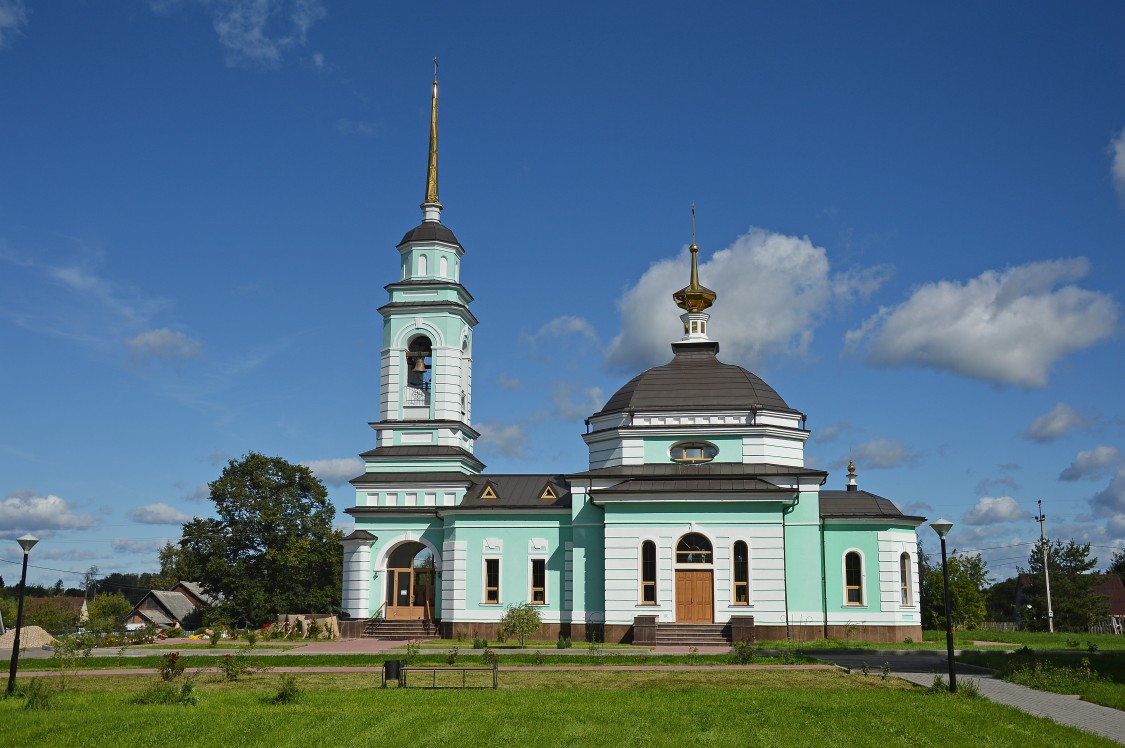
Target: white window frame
[[905, 580], [531, 581], [423, 265], [641, 574], [749, 585], [862, 578]]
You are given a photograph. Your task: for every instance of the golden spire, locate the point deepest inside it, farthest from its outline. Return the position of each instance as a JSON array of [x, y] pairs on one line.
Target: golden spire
[[431, 166], [694, 298]]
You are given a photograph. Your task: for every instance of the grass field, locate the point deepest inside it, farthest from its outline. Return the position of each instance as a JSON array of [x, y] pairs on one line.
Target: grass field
[[1098, 678], [716, 708]]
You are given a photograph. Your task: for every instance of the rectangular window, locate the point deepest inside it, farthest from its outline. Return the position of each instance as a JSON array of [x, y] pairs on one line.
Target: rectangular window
[[853, 579], [492, 581], [741, 574], [904, 579], [538, 581]]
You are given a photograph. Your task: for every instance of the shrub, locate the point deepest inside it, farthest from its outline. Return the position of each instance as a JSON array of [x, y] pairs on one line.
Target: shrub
[[692, 655], [969, 688], [174, 633], [563, 642], [521, 621], [908, 640], [251, 637], [312, 631], [743, 652], [594, 648], [233, 667], [171, 666], [489, 657], [412, 650], [168, 693], [480, 643], [215, 636], [538, 657], [451, 657], [38, 695], [289, 692]]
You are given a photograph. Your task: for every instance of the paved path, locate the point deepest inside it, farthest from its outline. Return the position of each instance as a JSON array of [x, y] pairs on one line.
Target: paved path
[[921, 667]]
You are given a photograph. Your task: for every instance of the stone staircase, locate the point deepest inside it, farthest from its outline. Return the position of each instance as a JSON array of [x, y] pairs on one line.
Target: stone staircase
[[381, 628], [692, 634]]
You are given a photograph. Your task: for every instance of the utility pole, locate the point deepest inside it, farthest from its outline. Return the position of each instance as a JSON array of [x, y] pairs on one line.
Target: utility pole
[[1046, 573]]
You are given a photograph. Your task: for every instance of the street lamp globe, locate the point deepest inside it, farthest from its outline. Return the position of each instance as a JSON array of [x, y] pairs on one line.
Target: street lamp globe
[[941, 527], [27, 542]]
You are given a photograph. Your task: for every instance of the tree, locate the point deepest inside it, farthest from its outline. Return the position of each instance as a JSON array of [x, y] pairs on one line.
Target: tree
[[1002, 600], [1116, 565], [272, 548], [107, 612], [1073, 599], [520, 621], [175, 566], [968, 578]]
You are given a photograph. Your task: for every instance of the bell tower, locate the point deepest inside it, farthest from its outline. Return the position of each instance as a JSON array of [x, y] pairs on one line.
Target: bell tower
[[425, 402]]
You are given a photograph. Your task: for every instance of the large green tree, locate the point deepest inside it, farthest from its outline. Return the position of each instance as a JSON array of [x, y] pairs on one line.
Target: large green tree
[[968, 580], [272, 548], [1073, 599]]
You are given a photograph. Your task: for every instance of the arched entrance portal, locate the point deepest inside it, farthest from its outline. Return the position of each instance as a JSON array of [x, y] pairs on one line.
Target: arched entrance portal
[[695, 588], [410, 583]]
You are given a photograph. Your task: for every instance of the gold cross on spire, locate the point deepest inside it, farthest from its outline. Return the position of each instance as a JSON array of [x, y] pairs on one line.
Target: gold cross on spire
[[694, 298], [431, 166]]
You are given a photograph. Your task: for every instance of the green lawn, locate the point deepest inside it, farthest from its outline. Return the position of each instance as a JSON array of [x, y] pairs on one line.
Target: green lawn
[[558, 708], [1099, 678], [968, 639]]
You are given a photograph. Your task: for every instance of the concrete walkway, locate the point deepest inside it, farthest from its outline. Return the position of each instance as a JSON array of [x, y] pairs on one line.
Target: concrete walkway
[[921, 667]]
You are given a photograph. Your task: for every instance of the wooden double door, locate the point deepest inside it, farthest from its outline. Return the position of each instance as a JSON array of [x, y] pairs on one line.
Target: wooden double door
[[411, 583], [695, 596]]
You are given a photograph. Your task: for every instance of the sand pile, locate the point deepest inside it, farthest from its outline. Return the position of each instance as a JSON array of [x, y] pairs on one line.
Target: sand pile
[[30, 636]]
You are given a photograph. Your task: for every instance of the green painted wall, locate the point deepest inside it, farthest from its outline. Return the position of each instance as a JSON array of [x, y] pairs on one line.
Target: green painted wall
[[838, 539], [656, 448]]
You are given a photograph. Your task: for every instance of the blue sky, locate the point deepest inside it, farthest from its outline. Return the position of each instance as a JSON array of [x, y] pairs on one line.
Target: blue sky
[[914, 218]]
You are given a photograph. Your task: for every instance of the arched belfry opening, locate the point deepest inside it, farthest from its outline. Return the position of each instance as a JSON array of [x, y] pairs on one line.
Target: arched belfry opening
[[419, 369]]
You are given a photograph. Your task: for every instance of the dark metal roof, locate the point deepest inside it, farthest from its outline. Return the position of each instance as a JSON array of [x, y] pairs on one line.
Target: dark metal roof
[[707, 469], [695, 379], [361, 535], [432, 476], [426, 306], [429, 283], [859, 505], [429, 231], [517, 492], [432, 452]]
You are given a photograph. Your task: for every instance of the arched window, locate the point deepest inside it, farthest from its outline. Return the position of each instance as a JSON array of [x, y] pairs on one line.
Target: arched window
[[443, 266], [905, 598], [694, 548], [741, 562], [691, 452], [418, 371], [648, 573], [853, 579], [422, 265]]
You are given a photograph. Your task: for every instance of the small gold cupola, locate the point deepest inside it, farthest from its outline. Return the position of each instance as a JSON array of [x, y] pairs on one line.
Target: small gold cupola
[[431, 206], [694, 298], [852, 485]]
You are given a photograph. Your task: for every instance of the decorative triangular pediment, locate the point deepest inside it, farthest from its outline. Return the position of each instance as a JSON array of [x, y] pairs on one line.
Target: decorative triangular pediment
[[488, 492], [548, 493]]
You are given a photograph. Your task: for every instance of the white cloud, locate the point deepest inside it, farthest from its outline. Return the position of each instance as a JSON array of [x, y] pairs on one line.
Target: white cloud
[[987, 484], [1055, 424], [127, 545], [508, 383], [218, 457], [162, 344], [1111, 501], [318, 60], [508, 439], [829, 433], [23, 511], [13, 17], [257, 33], [1007, 327], [1117, 146], [336, 471], [875, 454], [158, 514], [201, 492], [573, 403], [991, 510], [773, 290], [1093, 463], [559, 327]]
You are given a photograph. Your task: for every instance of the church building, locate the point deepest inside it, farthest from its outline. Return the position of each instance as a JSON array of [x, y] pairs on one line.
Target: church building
[[695, 521]]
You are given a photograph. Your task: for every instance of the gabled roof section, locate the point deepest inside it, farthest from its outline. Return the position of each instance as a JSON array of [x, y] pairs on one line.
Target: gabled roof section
[[429, 231], [195, 588], [516, 492], [860, 505]]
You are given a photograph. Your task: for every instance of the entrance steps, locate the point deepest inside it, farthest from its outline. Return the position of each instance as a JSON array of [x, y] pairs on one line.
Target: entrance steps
[[693, 634], [382, 628]]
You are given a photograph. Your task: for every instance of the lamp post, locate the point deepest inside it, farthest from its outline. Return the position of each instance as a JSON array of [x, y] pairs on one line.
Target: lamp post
[[27, 542], [942, 527]]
